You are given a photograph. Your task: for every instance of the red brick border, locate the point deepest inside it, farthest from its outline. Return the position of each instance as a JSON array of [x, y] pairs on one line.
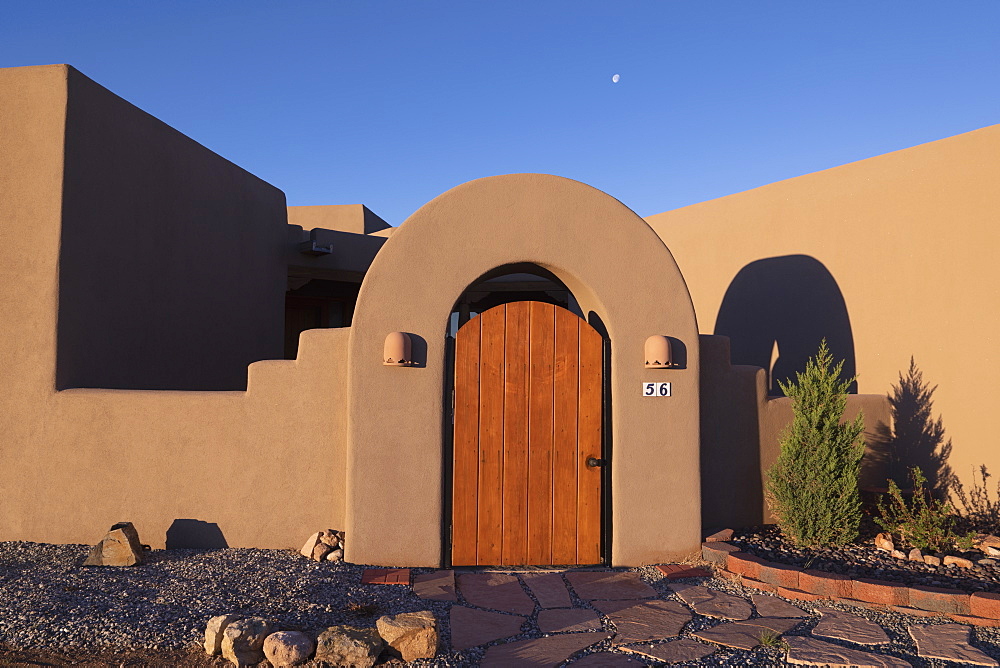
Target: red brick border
[[981, 609]]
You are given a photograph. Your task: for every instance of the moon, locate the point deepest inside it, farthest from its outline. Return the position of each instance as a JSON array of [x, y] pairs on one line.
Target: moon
[[615, 78]]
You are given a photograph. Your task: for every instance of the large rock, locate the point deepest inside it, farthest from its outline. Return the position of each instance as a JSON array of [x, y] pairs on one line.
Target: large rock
[[213, 633], [310, 545], [119, 547], [243, 640], [412, 634], [288, 648], [349, 646]]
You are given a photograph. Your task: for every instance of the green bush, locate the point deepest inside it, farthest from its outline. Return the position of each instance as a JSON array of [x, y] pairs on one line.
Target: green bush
[[812, 489], [925, 522]]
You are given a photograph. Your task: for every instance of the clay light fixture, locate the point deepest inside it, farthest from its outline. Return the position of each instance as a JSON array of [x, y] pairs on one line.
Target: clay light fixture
[[396, 351], [658, 352]]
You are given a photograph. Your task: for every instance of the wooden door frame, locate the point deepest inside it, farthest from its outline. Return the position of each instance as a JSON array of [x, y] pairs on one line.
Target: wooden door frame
[[448, 445]]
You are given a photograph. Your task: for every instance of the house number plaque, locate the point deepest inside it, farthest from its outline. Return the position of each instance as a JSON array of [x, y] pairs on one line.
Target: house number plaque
[[656, 389]]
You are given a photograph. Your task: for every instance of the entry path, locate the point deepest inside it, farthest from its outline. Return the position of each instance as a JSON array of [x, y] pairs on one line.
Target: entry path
[[616, 617]]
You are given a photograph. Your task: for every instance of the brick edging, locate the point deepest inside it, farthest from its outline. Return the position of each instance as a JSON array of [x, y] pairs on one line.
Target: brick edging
[[979, 608]]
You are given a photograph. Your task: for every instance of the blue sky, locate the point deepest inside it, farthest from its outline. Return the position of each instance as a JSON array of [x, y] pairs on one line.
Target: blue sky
[[391, 103]]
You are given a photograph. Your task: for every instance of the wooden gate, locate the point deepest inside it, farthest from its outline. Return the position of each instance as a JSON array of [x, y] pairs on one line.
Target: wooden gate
[[528, 404]]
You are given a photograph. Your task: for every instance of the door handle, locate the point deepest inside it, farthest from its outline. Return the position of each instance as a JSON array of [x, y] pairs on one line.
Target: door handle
[[594, 462]]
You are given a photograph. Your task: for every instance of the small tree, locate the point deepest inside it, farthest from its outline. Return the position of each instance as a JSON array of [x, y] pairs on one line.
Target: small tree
[[812, 489]]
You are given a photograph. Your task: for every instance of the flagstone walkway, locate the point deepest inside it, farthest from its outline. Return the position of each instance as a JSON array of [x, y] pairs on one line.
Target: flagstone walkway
[[619, 618]]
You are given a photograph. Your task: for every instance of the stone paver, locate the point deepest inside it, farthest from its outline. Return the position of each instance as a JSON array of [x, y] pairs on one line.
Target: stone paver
[[559, 620], [606, 660], [547, 652], [679, 571], [949, 642], [841, 625], [594, 585], [496, 591], [435, 586], [471, 626], [400, 576], [675, 651], [812, 652], [746, 635], [772, 606], [713, 603], [549, 589], [641, 621]]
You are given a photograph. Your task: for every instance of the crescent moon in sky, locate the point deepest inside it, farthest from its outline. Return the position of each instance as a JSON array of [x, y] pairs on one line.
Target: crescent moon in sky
[[615, 79]]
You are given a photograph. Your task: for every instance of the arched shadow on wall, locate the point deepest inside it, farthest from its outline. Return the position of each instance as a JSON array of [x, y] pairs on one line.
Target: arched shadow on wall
[[777, 310], [195, 534]]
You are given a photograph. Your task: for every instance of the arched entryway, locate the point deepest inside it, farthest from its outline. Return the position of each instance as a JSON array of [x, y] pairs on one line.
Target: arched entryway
[[619, 273], [527, 450]]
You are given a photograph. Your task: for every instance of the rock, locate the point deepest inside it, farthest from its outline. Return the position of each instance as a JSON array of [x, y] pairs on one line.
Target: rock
[[883, 541], [412, 634], [288, 648], [320, 551], [336, 555], [119, 547], [330, 537], [841, 625], [437, 586], [986, 562], [992, 550], [898, 554], [931, 560], [676, 651], [712, 603], [719, 536], [310, 545], [349, 646], [915, 555], [471, 626], [243, 640], [957, 561], [812, 652], [213, 633], [984, 540], [948, 642]]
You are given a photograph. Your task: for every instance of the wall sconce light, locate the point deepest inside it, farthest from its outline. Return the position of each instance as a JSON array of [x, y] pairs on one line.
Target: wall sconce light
[[658, 352], [397, 350]]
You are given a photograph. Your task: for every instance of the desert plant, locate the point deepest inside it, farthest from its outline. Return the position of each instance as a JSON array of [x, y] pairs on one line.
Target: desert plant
[[981, 512], [769, 638], [924, 522], [812, 489]]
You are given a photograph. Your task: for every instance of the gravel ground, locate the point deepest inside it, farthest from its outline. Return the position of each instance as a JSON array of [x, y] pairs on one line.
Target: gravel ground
[[53, 611]]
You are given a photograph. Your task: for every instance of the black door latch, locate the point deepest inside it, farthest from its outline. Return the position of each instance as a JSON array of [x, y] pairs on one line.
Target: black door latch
[[594, 462]]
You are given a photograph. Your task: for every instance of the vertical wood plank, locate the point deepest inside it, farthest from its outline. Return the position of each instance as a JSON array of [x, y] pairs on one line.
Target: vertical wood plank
[[541, 357], [590, 445], [515, 437], [465, 464], [564, 443], [491, 398]]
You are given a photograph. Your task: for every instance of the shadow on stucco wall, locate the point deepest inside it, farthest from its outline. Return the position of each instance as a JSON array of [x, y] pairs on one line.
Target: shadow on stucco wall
[[195, 534], [785, 305], [915, 438]]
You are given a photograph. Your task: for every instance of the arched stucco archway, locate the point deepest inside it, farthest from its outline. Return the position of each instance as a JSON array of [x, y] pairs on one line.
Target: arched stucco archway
[[617, 268]]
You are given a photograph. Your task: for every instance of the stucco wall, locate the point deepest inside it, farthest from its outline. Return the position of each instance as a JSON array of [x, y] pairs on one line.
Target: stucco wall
[[910, 240], [266, 466], [172, 262], [619, 272]]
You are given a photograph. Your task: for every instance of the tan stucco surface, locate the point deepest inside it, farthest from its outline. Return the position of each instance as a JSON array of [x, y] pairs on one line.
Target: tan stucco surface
[[356, 218], [265, 465], [911, 240], [615, 266]]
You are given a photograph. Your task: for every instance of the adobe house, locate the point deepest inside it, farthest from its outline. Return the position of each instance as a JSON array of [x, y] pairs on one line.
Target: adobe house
[[183, 351]]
